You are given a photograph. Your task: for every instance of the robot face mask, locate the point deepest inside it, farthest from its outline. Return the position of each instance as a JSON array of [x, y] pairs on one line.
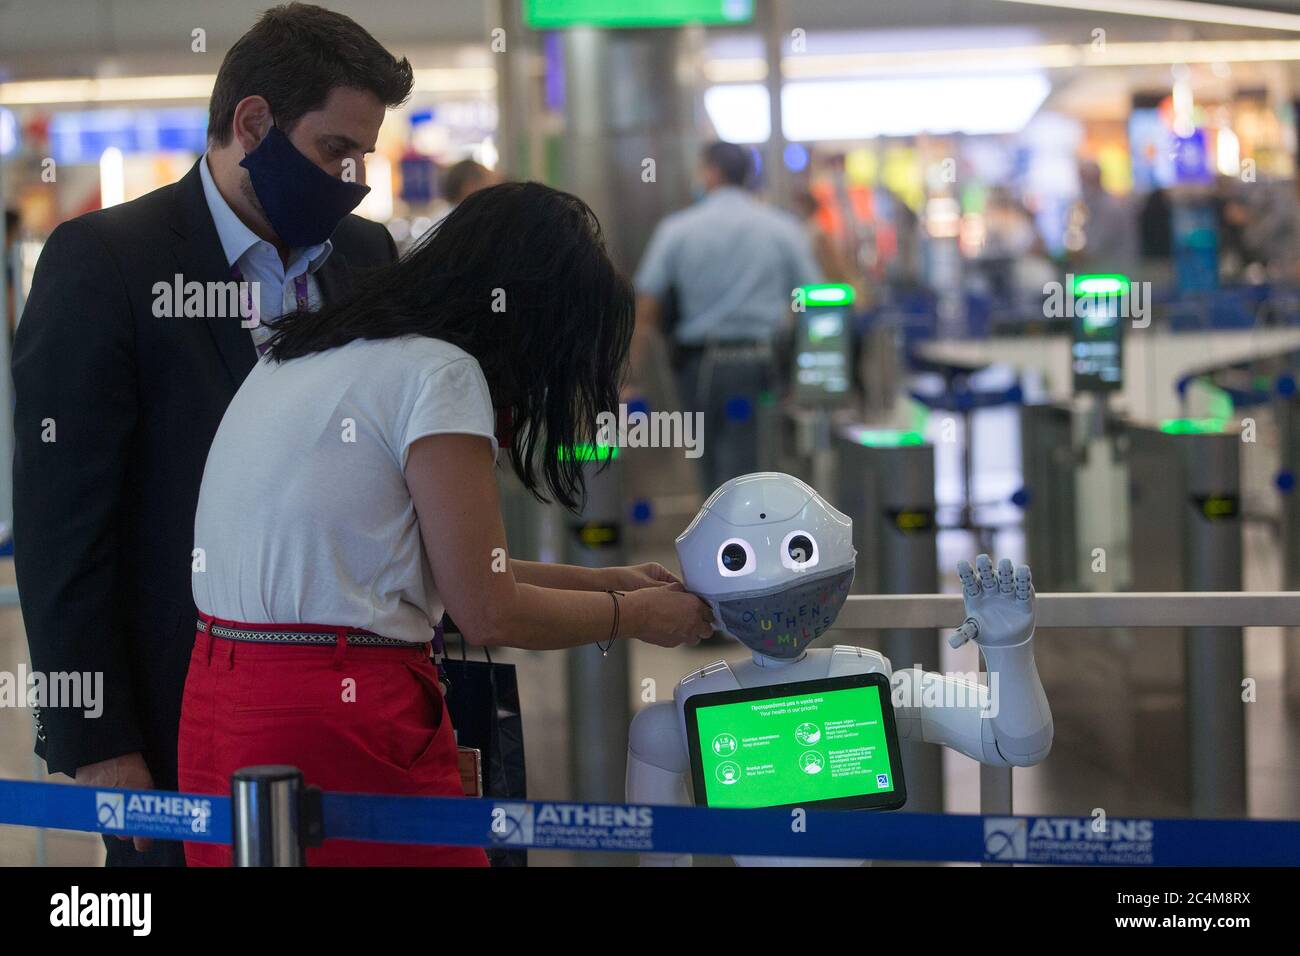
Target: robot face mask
[[773, 559]]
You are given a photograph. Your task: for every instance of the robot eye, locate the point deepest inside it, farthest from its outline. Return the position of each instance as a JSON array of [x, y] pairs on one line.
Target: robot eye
[[799, 551], [736, 558]]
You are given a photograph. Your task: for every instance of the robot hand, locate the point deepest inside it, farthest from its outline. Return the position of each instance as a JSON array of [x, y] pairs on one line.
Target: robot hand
[[999, 608]]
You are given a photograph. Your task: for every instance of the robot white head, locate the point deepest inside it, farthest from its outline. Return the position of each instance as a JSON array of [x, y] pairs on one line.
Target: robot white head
[[773, 559]]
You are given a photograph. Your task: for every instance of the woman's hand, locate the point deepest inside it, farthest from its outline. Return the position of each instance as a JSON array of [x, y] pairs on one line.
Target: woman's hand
[[637, 576], [666, 615]]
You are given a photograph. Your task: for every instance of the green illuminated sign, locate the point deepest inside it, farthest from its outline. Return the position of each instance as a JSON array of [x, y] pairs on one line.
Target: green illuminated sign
[[1101, 285], [588, 452], [888, 438], [557, 14], [1193, 426], [822, 745], [827, 294]]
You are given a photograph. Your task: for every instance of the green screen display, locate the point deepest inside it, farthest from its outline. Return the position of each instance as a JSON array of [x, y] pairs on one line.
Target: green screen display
[[821, 745], [556, 14], [821, 359]]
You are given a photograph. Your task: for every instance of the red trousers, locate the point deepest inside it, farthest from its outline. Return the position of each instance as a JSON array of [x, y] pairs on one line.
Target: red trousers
[[352, 719]]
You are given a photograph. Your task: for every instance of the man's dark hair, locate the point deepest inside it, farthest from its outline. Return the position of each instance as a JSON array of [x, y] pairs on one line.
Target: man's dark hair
[[553, 358], [731, 162], [461, 178], [294, 56]]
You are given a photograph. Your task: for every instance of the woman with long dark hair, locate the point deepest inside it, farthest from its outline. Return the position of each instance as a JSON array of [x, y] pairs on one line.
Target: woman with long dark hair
[[349, 498]]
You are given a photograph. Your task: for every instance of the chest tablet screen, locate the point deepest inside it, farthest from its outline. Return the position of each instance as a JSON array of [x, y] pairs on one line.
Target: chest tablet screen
[[829, 743]]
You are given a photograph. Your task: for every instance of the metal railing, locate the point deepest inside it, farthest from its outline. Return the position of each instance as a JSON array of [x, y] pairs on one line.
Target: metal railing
[[267, 800], [1216, 736], [1150, 609]]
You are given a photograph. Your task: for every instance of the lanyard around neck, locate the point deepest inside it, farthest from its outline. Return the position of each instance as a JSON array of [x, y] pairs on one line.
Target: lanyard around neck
[[299, 288]]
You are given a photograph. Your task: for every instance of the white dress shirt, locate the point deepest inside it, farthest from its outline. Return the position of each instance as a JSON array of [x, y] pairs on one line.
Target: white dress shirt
[[733, 262]]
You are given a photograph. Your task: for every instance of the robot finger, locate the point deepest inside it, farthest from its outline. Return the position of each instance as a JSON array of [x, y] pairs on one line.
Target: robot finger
[[967, 575], [1006, 575], [968, 631], [1024, 585], [984, 565]]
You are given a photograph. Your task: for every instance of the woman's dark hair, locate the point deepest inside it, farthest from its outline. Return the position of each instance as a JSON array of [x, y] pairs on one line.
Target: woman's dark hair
[[294, 57], [518, 277]]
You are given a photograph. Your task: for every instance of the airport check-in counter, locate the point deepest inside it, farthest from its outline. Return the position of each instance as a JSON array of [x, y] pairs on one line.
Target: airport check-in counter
[[1186, 685], [885, 483]]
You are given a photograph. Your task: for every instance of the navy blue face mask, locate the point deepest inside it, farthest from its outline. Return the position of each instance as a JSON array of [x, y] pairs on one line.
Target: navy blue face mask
[[303, 203]]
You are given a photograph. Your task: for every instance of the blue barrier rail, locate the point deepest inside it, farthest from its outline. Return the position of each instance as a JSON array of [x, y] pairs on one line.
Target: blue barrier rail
[[1061, 840]]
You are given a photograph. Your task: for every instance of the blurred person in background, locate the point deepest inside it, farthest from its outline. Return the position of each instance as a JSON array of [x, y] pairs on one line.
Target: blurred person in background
[[117, 406], [830, 258], [13, 225], [460, 181], [1013, 257], [1109, 231], [1156, 236], [731, 264], [1258, 229], [463, 179]]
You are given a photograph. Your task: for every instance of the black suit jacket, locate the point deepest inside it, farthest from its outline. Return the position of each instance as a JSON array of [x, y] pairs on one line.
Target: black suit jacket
[[115, 411]]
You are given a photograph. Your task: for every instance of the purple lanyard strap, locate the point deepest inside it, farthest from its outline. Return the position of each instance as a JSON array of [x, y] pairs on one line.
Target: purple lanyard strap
[[300, 294]]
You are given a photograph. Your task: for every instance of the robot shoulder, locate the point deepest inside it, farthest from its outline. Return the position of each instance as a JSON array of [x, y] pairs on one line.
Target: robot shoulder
[[847, 659], [707, 680]]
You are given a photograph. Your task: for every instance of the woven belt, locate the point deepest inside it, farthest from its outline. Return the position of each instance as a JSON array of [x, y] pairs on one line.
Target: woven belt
[[354, 638]]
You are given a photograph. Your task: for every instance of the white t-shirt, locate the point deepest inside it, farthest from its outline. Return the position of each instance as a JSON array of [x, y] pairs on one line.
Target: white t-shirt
[[304, 516]]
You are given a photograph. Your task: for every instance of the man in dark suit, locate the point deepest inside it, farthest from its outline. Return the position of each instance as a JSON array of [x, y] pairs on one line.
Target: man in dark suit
[[121, 380]]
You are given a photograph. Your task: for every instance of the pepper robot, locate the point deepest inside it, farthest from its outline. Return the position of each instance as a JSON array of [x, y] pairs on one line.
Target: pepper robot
[[775, 562]]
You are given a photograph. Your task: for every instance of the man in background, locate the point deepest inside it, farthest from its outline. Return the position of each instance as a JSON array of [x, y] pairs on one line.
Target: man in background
[[728, 266], [465, 178], [13, 224], [462, 180], [1110, 229]]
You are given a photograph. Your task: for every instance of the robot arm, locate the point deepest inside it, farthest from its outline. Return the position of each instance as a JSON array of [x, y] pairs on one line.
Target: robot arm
[[1006, 722], [658, 768]]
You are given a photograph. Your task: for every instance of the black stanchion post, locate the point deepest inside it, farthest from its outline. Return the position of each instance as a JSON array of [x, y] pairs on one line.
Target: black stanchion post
[[886, 485], [1185, 493], [266, 816]]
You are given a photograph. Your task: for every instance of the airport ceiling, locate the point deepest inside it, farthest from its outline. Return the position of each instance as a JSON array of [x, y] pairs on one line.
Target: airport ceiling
[[80, 37]]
